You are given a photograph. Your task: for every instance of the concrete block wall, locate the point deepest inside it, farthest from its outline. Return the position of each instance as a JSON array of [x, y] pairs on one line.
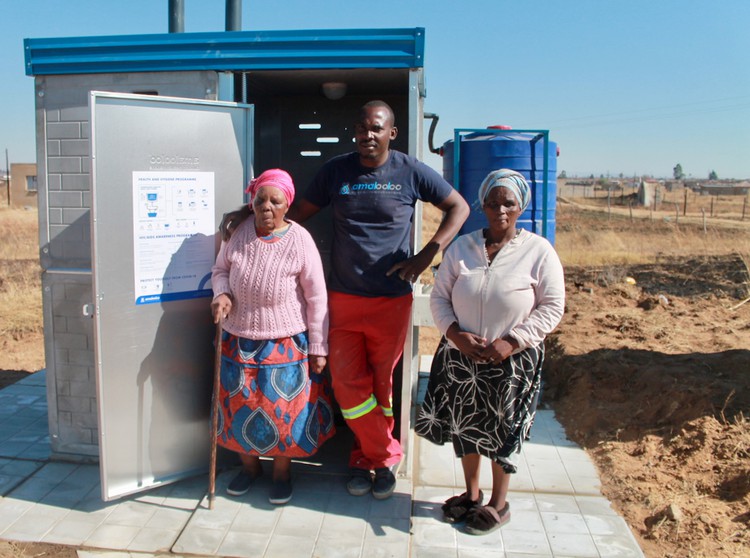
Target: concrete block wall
[[64, 199], [71, 382], [68, 193]]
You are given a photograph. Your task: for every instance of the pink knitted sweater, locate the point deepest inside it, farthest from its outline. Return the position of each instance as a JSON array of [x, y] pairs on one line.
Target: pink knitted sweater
[[277, 288]]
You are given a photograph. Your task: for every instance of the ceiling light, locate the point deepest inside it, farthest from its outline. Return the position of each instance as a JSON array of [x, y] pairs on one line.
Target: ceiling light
[[334, 90]]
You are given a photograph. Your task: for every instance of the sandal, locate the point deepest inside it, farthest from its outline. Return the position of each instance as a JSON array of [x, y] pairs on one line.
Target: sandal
[[457, 508], [487, 519]]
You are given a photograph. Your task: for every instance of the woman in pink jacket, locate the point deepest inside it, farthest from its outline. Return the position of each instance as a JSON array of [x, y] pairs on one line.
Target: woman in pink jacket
[[270, 290]]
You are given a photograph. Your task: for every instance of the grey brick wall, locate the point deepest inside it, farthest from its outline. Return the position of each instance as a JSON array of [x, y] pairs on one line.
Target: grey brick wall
[[69, 347], [64, 185]]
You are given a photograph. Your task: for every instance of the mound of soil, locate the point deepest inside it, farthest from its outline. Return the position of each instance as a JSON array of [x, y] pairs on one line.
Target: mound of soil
[[650, 372]]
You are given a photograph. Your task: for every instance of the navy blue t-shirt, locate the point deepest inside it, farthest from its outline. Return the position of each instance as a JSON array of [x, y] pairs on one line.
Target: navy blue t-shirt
[[373, 210]]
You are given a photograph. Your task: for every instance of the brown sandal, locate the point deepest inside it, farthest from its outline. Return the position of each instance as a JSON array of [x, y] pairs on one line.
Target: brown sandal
[[487, 519], [457, 508]]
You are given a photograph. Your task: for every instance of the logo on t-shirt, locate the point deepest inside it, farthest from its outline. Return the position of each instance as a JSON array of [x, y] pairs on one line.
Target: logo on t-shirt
[[369, 187]]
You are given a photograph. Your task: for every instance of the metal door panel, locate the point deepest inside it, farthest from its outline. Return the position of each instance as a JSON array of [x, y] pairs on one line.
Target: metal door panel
[[155, 160]]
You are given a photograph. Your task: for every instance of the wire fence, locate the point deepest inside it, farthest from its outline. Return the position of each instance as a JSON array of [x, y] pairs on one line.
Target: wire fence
[[679, 201]]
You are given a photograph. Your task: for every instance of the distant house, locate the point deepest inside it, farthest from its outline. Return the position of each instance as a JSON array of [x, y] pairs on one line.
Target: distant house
[[724, 188], [573, 187], [719, 187], [650, 192], [23, 185]]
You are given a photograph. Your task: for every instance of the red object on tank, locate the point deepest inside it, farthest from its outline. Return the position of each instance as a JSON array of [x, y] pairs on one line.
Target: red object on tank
[[499, 127]]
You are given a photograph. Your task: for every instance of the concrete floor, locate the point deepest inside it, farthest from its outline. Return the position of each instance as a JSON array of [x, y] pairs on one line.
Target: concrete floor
[[557, 508]]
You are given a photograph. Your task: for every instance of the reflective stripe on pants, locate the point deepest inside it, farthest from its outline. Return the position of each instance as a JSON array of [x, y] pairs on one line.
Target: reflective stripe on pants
[[365, 341]]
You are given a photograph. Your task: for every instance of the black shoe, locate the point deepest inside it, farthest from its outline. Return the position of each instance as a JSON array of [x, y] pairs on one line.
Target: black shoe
[[457, 508], [281, 492], [241, 483], [384, 484], [360, 482]]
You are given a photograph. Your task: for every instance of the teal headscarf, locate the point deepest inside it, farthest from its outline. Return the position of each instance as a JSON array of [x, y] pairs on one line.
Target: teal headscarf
[[514, 181]]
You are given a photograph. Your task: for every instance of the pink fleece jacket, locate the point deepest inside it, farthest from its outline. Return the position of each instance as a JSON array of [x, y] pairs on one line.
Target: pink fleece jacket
[[277, 288]]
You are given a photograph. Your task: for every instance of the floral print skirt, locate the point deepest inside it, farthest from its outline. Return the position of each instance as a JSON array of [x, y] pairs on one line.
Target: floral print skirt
[[270, 403], [484, 409]]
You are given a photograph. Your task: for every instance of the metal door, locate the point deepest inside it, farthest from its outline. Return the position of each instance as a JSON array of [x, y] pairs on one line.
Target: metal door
[[164, 170]]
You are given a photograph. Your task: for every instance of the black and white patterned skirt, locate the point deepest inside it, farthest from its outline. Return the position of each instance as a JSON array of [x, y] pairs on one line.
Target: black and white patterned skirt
[[483, 409]]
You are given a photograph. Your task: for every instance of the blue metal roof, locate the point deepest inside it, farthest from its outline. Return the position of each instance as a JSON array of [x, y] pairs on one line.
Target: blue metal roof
[[227, 50]]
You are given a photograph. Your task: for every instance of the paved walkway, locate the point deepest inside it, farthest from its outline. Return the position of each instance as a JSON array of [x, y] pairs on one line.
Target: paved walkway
[[557, 508]]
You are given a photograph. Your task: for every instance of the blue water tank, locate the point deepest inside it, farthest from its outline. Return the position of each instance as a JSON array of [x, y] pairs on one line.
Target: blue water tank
[[482, 152]]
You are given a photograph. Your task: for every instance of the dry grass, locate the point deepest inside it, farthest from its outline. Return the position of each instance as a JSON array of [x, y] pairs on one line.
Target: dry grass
[[20, 276], [19, 229], [615, 238], [690, 203]]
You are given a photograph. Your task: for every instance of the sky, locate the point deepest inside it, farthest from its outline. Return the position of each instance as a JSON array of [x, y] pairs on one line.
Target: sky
[[624, 87]]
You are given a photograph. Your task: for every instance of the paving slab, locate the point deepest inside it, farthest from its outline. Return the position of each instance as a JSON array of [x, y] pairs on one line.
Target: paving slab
[[557, 507]]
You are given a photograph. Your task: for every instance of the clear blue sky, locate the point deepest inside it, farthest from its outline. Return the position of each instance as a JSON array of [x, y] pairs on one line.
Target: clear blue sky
[[630, 87]]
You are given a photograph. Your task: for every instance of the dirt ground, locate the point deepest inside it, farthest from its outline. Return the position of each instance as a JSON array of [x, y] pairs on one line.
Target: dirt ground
[[650, 373], [35, 550], [653, 380]]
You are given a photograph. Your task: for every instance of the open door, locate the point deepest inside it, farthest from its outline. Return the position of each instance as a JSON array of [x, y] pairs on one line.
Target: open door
[[164, 170]]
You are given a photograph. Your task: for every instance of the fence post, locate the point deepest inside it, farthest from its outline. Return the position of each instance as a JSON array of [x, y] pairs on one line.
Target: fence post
[[712, 207], [684, 205], [744, 205]]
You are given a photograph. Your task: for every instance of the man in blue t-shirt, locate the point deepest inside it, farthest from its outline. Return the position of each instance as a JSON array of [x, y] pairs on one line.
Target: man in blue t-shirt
[[372, 193], [373, 210]]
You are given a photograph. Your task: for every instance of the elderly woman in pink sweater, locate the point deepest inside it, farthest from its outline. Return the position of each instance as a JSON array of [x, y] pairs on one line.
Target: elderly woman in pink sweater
[[270, 290]]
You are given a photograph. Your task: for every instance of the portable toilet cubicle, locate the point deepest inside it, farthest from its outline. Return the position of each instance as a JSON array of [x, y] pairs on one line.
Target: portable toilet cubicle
[[132, 131]]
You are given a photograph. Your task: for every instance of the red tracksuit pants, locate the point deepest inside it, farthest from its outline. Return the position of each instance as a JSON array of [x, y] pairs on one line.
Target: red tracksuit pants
[[365, 341]]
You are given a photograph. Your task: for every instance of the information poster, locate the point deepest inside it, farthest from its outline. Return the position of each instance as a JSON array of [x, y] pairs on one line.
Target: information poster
[[173, 233]]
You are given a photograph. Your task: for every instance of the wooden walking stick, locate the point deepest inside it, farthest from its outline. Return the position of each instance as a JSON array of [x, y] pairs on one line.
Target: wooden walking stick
[[215, 414]]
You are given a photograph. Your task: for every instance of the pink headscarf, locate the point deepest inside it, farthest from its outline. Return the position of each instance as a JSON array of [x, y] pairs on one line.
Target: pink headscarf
[[272, 177]]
